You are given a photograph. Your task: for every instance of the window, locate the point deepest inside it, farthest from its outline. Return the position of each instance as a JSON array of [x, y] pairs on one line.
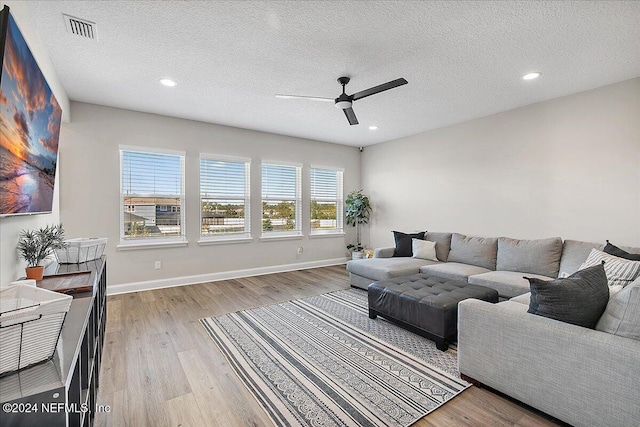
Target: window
[[224, 198], [326, 201], [281, 199], [151, 194]]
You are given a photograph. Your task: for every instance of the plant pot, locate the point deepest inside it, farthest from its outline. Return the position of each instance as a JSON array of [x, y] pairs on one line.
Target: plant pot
[[357, 255], [35, 273]]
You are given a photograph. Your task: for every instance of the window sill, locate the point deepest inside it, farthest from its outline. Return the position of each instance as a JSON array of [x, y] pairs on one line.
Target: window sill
[[327, 234], [130, 246], [227, 241], [282, 237]]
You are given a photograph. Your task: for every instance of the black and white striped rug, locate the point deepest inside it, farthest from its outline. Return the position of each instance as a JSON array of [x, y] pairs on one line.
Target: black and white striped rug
[[320, 361]]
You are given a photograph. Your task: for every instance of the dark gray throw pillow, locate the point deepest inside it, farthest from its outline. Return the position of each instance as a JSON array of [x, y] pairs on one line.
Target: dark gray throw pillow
[[403, 243], [620, 253], [579, 299]]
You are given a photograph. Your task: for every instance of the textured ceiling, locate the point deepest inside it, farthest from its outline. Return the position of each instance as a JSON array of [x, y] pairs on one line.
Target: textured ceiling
[[463, 60]]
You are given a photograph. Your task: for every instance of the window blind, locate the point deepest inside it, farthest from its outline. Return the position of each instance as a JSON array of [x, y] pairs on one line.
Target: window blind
[[224, 179], [324, 184], [326, 194], [152, 194], [224, 196], [281, 199], [150, 174], [280, 182]]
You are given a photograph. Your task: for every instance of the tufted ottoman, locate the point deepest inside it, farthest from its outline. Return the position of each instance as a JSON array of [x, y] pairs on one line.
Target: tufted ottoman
[[425, 304]]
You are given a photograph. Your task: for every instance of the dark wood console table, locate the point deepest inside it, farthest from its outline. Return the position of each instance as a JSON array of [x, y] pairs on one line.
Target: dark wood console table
[[62, 391]]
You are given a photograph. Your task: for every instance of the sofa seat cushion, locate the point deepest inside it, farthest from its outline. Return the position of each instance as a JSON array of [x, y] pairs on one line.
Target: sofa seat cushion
[[387, 268], [453, 270], [508, 283]]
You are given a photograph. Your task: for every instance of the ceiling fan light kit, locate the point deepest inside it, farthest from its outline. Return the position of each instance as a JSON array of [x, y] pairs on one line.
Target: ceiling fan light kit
[[345, 102]]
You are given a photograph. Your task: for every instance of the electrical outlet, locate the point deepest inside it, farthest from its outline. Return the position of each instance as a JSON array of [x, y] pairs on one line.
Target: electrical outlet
[[300, 250], [158, 265]]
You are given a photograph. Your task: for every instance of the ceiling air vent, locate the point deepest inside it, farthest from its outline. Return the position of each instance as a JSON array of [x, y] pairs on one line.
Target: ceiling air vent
[[81, 27]]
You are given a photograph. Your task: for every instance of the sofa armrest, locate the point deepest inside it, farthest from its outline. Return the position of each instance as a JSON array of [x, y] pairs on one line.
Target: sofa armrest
[[579, 375], [383, 252]]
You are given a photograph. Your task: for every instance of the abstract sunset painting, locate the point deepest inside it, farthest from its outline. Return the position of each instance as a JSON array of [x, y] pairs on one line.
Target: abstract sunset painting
[[29, 130]]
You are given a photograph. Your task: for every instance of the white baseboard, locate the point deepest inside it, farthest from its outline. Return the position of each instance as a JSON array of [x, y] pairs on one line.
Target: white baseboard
[[125, 288]]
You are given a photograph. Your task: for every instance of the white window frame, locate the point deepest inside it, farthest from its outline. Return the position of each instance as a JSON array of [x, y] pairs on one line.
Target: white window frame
[[127, 243], [339, 231], [283, 234], [230, 237]]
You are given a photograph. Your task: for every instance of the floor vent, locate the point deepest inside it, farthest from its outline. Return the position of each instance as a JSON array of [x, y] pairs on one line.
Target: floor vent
[[81, 27]]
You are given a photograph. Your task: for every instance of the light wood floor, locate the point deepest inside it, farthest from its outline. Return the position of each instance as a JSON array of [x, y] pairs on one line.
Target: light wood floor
[[160, 368]]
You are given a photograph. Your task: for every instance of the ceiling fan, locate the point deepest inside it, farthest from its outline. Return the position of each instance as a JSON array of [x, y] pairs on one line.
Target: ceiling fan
[[344, 101]]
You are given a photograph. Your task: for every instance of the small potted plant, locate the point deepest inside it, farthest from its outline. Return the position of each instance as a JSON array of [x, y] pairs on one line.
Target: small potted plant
[[36, 245], [357, 213]]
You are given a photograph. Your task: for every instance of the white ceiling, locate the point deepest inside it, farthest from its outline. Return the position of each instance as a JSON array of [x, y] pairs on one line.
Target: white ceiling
[[463, 60]]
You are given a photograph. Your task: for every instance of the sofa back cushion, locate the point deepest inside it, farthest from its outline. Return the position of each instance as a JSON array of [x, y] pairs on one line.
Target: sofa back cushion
[[479, 251], [622, 315], [443, 243], [574, 253], [530, 256]]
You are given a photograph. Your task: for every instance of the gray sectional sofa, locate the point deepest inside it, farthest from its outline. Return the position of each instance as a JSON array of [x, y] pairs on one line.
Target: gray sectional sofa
[[495, 262], [582, 376]]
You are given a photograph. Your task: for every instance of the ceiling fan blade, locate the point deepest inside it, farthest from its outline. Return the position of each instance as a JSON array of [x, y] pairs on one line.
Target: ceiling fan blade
[[310, 98], [351, 116], [378, 89]]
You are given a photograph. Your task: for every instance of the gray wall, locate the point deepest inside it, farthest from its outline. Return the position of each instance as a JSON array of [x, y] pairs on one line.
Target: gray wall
[[567, 167], [89, 195]]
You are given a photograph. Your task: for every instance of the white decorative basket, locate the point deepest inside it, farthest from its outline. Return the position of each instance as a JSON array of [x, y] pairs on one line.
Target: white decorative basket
[[30, 323], [81, 250]]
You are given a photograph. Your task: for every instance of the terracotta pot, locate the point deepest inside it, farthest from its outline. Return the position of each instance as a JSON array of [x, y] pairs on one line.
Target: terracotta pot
[[35, 273]]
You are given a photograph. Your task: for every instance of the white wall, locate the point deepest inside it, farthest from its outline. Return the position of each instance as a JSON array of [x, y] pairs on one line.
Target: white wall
[[10, 266], [567, 167], [89, 178]]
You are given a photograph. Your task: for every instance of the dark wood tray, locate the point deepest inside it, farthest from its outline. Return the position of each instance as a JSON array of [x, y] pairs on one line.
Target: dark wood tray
[[68, 283]]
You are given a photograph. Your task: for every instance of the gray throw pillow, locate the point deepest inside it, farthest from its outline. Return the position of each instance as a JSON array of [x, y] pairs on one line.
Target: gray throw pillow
[[622, 315], [579, 299]]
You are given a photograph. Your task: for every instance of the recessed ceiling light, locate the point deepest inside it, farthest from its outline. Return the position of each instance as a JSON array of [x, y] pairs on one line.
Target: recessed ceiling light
[[168, 82], [373, 127], [531, 76]]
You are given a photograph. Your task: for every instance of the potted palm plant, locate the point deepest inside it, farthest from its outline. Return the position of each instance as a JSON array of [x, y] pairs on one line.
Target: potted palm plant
[[357, 213], [36, 245]]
